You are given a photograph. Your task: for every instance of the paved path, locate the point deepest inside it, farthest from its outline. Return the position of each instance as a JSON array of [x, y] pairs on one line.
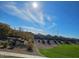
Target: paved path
[[18, 55]]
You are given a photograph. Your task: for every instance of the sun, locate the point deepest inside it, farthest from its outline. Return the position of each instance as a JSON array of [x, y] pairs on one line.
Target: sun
[[35, 5]]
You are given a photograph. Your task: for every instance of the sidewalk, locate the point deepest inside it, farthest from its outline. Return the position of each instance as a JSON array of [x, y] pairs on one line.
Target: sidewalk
[[18, 55]]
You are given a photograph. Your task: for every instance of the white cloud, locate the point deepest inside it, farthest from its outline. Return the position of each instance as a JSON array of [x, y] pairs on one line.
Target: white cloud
[[48, 18], [32, 29], [13, 10], [38, 18], [52, 25], [27, 13]]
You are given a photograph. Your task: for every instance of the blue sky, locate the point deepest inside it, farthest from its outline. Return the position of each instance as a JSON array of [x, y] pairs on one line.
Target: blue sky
[[55, 18]]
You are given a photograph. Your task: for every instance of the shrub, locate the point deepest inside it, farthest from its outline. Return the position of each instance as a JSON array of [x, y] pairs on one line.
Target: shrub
[[30, 46], [11, 44], [3, 44]]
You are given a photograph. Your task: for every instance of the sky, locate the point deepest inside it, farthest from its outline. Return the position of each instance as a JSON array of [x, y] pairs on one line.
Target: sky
[[46, 17]]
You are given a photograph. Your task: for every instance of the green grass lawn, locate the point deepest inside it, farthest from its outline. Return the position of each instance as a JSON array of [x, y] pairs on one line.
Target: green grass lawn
[[61, 51]]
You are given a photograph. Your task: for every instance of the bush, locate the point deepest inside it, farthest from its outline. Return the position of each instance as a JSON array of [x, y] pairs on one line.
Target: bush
[[30, 46], [6, 44], [11, 44], [3, 44]]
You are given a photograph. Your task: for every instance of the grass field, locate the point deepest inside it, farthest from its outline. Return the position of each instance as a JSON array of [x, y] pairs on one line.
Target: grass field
[[61, 51]]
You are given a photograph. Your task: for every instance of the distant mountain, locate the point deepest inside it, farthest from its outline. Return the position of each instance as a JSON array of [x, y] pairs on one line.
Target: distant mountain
[[50, 37]]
